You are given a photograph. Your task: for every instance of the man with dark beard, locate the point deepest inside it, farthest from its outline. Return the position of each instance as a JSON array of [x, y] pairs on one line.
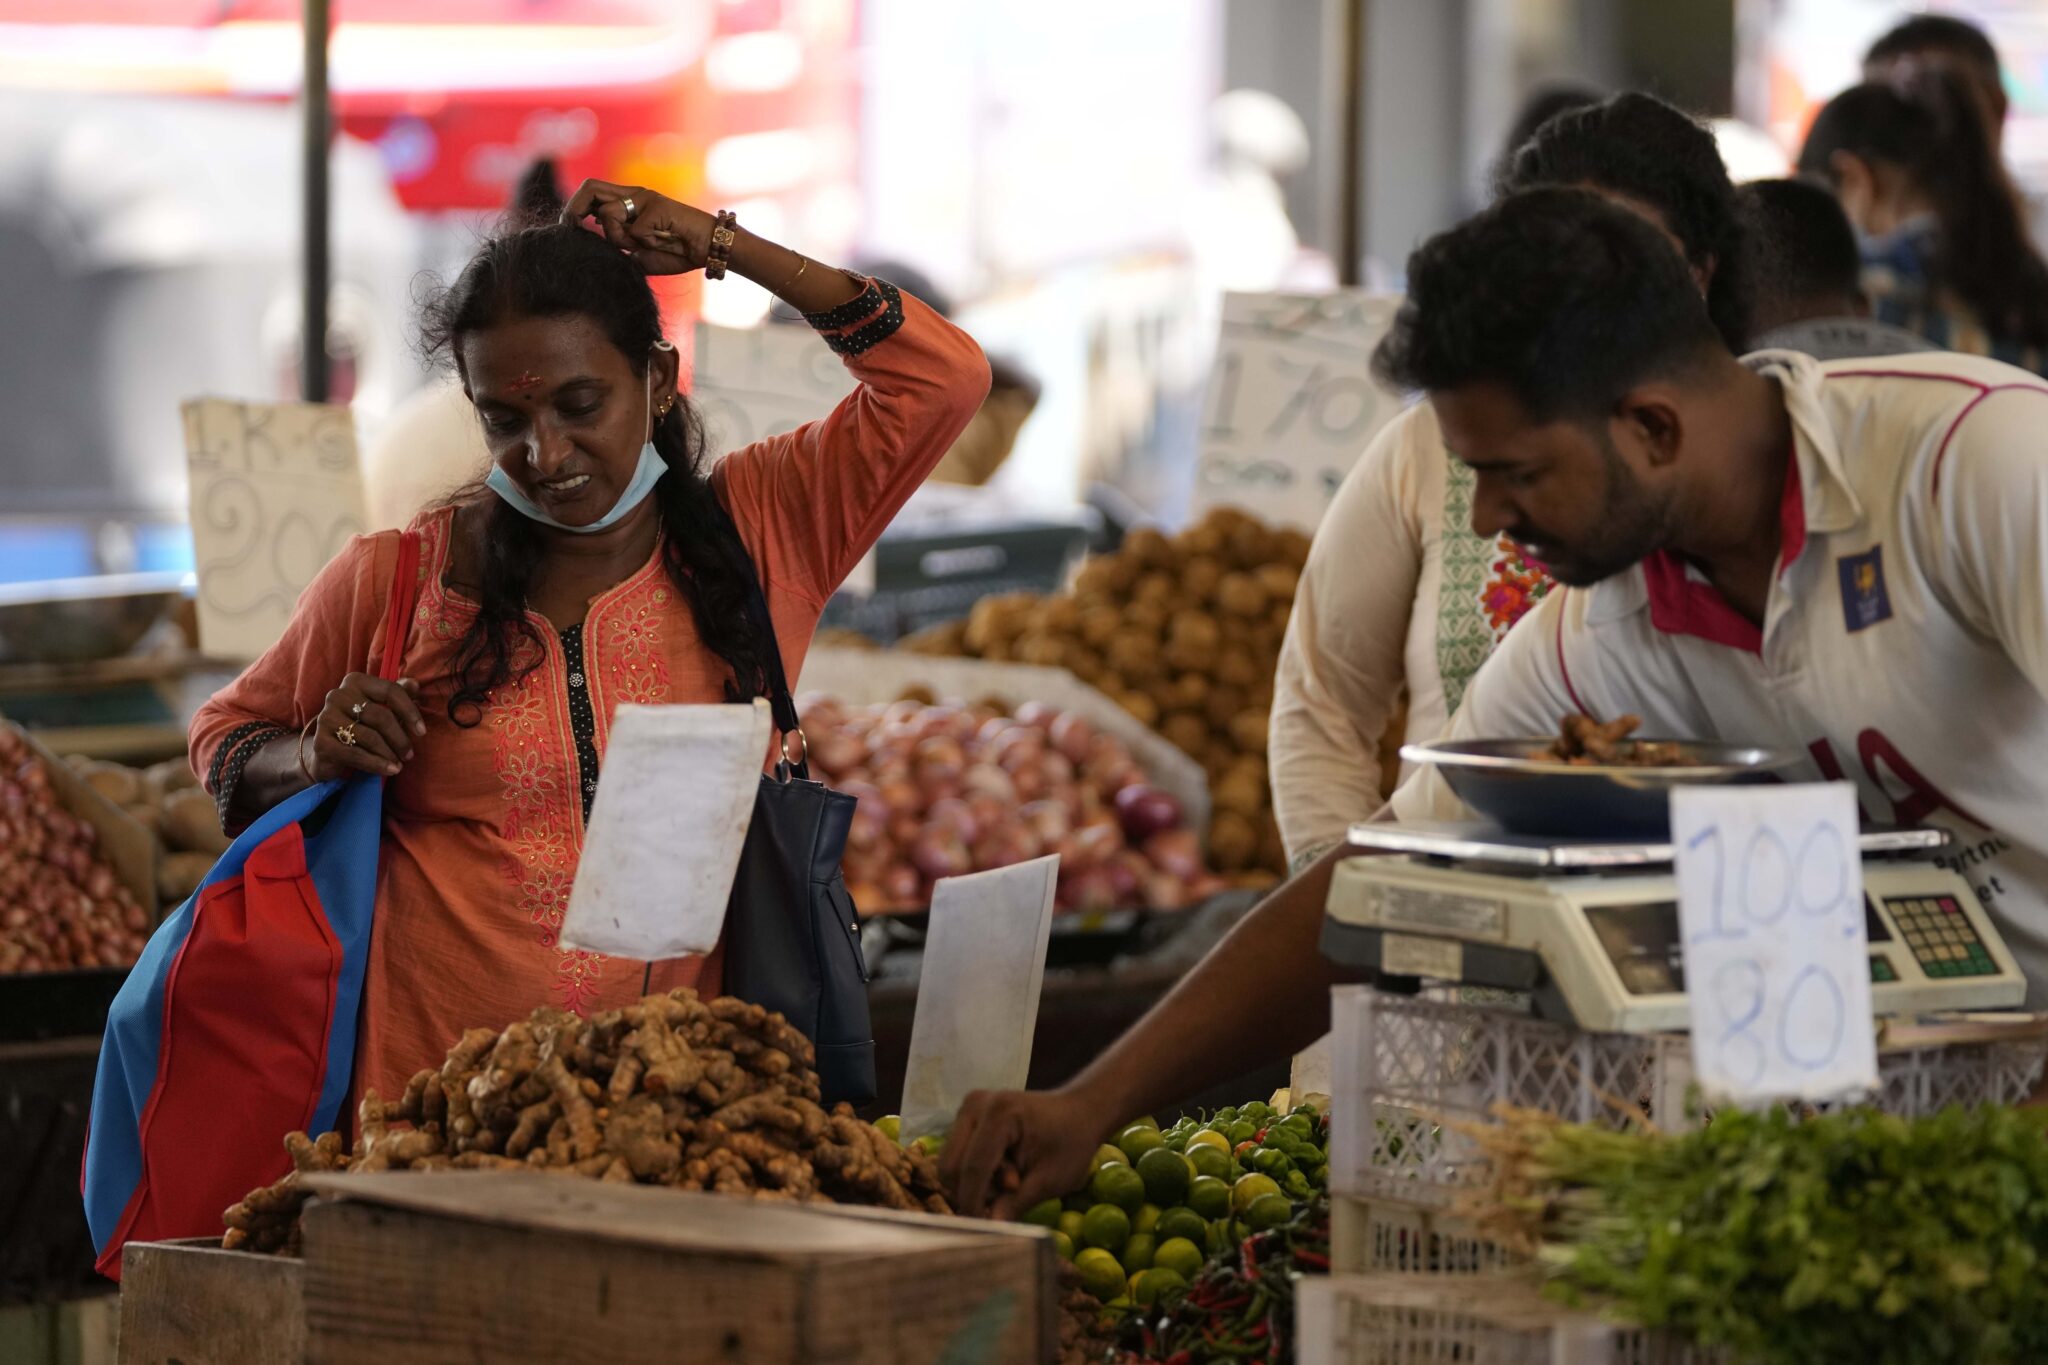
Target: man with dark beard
[[1848, 559]]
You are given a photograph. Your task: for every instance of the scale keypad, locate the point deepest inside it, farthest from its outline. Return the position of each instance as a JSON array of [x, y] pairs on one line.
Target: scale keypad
[[1940, 936]]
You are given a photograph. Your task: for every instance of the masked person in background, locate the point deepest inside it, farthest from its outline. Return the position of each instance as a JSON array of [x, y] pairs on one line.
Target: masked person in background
[[603, 562], [1942, 230], [1808, 293], [1399, 592]]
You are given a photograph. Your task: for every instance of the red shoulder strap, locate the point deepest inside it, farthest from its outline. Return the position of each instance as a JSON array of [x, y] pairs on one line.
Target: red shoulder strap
[[405, 593]]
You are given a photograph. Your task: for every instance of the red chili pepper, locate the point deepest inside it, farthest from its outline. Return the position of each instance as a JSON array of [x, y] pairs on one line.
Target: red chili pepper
[[1260, 1332], [1260, 1136], [1251, 1259], [1315, 1260]]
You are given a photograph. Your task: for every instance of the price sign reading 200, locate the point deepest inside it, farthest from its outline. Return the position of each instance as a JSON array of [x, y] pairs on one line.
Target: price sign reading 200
[[1771, 909]]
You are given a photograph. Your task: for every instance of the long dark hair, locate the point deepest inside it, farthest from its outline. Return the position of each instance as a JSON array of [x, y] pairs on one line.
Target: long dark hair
[[1936, 136], [535, 267], [1638, 146]]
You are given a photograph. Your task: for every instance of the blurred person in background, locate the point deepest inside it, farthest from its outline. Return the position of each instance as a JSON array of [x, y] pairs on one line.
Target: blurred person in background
[[1243, 239], [1012, 394], [1941, 229], [1400, 594], [604, 560], [1943, 42], [1542, 104], [1807, 278]]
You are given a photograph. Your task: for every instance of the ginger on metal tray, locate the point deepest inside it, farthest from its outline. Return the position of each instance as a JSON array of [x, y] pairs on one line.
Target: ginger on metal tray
[[718, 1095]]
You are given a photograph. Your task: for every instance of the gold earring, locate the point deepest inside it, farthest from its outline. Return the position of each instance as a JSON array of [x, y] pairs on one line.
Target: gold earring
[[666, 404]]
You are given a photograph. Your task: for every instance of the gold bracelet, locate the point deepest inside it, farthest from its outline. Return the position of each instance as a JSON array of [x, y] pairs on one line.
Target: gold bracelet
[[300, 753], [803, 264]]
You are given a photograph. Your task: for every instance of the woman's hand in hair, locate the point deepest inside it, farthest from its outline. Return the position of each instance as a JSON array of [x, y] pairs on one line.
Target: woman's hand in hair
[[663, 236]]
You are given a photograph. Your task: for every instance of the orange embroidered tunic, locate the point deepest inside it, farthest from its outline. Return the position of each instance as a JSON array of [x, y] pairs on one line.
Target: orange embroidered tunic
[[483, 828]]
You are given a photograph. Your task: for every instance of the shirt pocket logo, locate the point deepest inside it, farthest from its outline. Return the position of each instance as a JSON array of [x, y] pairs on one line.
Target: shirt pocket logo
[[1864, 599]]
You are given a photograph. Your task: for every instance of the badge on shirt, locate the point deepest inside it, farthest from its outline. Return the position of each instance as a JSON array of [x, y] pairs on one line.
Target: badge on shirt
[[1864, 599]]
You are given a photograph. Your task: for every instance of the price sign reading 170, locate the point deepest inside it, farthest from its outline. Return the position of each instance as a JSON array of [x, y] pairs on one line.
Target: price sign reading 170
[[1777, 964], [1291, 402]]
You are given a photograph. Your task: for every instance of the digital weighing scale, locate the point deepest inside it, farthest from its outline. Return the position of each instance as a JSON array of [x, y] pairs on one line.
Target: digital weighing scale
[[1589, 928]]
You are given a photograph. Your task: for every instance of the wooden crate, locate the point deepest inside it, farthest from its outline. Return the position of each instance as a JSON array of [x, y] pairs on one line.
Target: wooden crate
[[190, 1303], [420, 1269]]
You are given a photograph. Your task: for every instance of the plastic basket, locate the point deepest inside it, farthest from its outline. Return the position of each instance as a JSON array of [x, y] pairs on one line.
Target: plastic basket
[[1499, 1320], [1402, 1065]]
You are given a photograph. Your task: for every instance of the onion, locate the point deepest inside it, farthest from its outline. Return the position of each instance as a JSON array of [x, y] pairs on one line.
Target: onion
[[1176, 852], [1127, 872], [1088, 847], [1005, 846], [939, 854], [904, 828], [1037, 715], [989, 811], [1086, 889], [952, 815], [901, 887], [834, 751], [1031, 783], [1145, 811], [986, 779], [1165, 892], [995, 727], [1048, 820], [899, 798], [940, 760], [1072, 736]]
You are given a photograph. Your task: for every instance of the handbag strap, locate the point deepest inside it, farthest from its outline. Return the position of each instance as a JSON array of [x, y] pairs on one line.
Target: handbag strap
[[781, 705], [405, 594]]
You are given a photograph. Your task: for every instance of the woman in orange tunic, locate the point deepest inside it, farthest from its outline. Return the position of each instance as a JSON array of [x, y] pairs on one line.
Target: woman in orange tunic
[[587, 576]]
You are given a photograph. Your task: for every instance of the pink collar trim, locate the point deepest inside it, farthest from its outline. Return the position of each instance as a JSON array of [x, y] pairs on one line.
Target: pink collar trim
[[1683, 605]]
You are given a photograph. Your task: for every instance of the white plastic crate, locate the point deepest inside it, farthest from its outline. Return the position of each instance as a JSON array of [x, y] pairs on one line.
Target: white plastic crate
[[1496, 1320], [1402, 1065]]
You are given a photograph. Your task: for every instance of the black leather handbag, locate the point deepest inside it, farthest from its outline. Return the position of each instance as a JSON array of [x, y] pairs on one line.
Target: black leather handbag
[[792, 933]]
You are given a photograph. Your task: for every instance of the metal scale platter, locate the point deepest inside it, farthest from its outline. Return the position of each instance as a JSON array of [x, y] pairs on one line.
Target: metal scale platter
[[1589, 928]]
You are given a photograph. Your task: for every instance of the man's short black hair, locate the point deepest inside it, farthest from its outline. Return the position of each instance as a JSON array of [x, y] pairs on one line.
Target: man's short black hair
[[1805, 249], [1556, 294]]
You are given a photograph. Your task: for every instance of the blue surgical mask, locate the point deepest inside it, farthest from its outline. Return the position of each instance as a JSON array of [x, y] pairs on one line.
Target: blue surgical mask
[[645, 475]]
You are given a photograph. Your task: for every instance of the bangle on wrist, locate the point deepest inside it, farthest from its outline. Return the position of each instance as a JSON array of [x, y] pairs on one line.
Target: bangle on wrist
[[300, 752], [718, 255], [803, 263]]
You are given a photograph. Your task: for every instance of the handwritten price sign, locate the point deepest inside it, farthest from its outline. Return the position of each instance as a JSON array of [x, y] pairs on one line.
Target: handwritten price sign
[[1291, 402], [1777, 965], [757, 382], [277, 490]]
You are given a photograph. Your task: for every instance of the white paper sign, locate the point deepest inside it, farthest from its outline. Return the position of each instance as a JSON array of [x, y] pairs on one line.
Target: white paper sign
[[1291, 402], [1777, 964], [977, 992], [674, 801], [756, 382], [276, 492]]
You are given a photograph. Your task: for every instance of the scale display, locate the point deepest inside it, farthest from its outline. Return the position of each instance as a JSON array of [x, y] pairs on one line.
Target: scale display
[[1592, 932]]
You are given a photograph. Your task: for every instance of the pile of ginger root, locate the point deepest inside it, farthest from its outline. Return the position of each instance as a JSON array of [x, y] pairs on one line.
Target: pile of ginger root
[[716, 1095]]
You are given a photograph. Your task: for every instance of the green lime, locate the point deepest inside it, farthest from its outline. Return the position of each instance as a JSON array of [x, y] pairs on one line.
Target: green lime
[[930, 1144], [1217, 1238], [1064, 1245], [1107, 1155], [1120, 1304], [1209, 1197], [1046, 1215], [1250, 1188], [1268, 1211], [1118, 1185], [1107, 1227], [1209, 1160], [1071, 1224], [1146, 1122], [890, 1126], [1100, 1274], [1137, 1253], [1165, 1176], [1146, 1218], [1182, 1255], [1185, 1224], [1154, 1283], [1209, 1137], [1131, 1285], [1137, 1140]]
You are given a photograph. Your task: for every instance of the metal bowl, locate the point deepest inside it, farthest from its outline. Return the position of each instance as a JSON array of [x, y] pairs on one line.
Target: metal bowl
[[1513, 783], [77, 620]]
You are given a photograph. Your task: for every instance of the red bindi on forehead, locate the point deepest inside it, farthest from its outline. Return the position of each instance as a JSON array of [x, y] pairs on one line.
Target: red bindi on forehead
[[526, 383]]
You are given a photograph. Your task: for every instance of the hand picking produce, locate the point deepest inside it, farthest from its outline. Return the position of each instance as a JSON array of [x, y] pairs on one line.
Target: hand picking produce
[[61, 906], [946, 788], [1854, 1236], [1184, 633], [1161, 1204], [715, 1095]]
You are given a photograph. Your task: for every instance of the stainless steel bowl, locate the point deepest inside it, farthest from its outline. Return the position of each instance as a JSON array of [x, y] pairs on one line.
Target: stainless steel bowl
[[1512, 783], [75, 620]]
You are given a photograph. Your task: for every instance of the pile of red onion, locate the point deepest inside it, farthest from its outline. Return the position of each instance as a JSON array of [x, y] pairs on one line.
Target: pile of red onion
[[945, 790], [61, 907]]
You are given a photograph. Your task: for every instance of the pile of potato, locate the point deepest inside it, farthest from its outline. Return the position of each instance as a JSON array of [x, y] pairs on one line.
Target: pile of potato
[[167, 801], [61, 907], [1184, 632], [713, 1095]]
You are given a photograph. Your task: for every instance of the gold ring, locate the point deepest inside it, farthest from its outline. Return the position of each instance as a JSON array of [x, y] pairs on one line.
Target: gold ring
[[346, 734]]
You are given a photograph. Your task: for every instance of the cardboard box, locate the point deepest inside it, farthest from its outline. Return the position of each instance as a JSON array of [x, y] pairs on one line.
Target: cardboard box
[[190, 1303], [862, 677], [128, 848], [420, 1269]]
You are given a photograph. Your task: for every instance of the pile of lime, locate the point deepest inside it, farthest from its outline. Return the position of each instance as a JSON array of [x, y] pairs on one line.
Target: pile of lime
[[1161, 1203]]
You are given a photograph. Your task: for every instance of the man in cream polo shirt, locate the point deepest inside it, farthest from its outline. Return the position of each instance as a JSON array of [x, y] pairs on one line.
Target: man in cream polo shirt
[[1846, 559]]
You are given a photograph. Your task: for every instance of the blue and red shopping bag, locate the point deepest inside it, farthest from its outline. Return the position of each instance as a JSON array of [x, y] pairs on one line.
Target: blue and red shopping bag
[[238, 1024]]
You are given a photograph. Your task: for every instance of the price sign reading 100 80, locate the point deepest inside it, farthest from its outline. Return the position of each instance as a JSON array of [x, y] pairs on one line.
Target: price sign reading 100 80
[[1770, 897]]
